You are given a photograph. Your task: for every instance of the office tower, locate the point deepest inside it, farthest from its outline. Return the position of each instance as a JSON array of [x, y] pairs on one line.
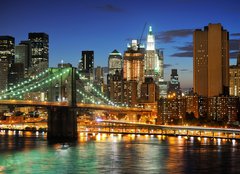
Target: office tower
[[114, 62], [99, 74], [86, 64], [23, 54], [133, 64], [116, 87], [174, 84], [129, 92], [40, 55], [211, 61], [16, 74], [153, 59], [7, 44], [149, 91], [234, 78]]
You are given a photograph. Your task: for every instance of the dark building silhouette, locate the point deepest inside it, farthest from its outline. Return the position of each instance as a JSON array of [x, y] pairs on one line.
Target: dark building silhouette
[[7, 44], [40, 55], [174, 84], [86, 64]]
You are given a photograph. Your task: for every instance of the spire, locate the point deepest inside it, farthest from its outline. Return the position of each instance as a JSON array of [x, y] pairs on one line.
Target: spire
[[150, 30]]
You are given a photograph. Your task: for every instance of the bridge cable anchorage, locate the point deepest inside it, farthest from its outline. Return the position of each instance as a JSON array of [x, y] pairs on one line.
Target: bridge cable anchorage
[[94, 89]]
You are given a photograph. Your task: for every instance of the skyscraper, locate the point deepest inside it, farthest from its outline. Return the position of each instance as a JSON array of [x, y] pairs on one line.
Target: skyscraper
[[234, 78], [23, 54], [153, 59], [114, 62], [86, 64], [174, 84], [133, 64], [7, 44], [211, 61], [39, 45]]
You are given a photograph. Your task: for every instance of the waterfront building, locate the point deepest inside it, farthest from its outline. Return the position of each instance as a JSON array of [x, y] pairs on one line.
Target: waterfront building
[[39, 54], [223, 109], [7, 44], [211, 61], [234, 78], [171, 110], [192, 105]]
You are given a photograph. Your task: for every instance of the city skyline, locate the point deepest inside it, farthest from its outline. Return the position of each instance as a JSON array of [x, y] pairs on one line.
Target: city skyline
[[103, 26]]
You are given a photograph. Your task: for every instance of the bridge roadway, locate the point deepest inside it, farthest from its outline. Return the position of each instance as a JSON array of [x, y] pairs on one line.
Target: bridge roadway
[[78, 105], [112, 126]]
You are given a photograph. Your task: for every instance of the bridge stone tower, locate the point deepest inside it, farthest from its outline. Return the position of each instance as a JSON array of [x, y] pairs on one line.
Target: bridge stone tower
[[62, 120]]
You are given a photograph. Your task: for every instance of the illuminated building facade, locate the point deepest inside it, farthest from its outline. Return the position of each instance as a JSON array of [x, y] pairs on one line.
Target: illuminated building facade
[[153, 60], [40, 55], [171, 110], [114, 62], [86, 64], [7, 44], [234, 78], [211, 61], [223, 109], [192, 105], [133, 64]]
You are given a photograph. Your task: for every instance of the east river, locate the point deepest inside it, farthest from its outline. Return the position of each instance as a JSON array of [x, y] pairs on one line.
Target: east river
[[30, 153]]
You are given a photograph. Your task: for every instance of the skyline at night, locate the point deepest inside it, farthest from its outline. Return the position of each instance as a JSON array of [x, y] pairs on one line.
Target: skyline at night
[[103, 26]]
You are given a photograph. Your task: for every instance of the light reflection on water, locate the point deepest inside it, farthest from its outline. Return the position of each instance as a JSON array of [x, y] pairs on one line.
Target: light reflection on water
[[30, 153]]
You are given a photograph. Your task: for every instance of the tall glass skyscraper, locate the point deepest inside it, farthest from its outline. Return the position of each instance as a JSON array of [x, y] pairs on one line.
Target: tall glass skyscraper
[[40, 55], [7, 44], [86, 64]]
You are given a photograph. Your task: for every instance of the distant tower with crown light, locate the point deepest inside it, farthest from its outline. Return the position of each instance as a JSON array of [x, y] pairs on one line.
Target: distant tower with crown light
[[153, 59]]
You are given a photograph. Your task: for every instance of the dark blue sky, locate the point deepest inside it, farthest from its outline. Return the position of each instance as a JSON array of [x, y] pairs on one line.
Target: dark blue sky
[[105, 25]]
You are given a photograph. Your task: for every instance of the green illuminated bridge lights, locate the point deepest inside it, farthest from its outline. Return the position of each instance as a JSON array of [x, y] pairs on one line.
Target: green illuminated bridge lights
[[56, 85]]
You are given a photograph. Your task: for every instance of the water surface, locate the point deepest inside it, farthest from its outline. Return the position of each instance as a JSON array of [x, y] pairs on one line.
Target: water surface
[[31, 153]]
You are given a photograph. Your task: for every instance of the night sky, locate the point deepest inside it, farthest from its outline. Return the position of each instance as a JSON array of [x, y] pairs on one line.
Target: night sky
[[105, 25]]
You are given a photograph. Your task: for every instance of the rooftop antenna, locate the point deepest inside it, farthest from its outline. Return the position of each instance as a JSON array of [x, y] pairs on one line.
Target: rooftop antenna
[[140, 39]]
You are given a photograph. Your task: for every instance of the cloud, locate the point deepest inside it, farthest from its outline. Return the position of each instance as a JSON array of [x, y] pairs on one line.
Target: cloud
[[185, 70], [167, 65], [110, 8], [235, 34], [234, 44], [183, 54], [187, 47], [170, 35]]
